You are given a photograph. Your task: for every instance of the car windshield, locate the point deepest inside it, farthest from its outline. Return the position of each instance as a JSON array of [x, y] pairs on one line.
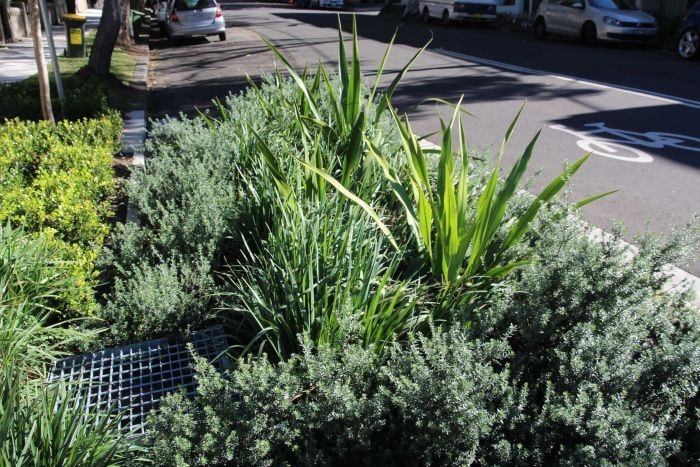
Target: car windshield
[[612, 4], [183, 5]]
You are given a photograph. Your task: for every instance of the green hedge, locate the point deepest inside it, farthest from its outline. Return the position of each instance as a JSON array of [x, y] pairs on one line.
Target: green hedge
[[84, 98], [59, 181]]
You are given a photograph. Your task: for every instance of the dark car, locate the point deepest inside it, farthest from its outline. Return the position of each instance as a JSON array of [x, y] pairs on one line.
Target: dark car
[[689, 34]]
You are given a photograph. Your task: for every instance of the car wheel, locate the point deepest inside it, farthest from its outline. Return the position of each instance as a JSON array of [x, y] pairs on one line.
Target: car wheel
[[222, 36], [589, 35], [172, 40], [445, 18], [540, 28], [689, 43], [426, 15]]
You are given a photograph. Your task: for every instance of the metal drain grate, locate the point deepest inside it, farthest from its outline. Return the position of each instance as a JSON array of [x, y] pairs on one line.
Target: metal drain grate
[[134, 379]]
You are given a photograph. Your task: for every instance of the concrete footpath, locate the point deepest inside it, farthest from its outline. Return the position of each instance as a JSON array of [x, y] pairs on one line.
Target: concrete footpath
[[17, 59]]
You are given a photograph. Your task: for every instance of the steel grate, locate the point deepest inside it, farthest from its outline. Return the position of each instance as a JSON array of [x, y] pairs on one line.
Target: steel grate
[[133, 379]]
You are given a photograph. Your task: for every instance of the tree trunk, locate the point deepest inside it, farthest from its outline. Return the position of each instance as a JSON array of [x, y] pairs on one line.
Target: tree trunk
[[44, 90], [106, 38], [126, 31], [2, 32], [6, 22]]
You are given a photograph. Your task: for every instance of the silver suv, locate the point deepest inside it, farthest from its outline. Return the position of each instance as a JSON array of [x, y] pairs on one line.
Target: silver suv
[[592, 20]]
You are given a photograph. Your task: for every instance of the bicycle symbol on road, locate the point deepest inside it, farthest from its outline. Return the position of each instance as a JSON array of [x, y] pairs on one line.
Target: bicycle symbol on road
[[614, 144]]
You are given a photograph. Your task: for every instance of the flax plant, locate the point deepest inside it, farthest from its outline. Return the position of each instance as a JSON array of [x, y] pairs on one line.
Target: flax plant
[[320, 270], [351, 112], [38, 426], [456, 244]]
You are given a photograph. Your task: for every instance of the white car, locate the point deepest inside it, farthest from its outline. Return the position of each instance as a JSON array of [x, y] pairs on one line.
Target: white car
[[458, 10], [592, 20], [187, 18]]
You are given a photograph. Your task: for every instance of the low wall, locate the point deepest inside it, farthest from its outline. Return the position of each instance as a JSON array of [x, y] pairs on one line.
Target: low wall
[[18, 19]]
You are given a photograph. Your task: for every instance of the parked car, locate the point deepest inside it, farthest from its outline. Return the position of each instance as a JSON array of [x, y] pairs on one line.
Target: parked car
[[592, 20], [688, 38], [187, 18], [460, 10]]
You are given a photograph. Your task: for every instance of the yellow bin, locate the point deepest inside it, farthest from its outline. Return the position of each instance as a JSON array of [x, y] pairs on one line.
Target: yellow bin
[[75, 35]]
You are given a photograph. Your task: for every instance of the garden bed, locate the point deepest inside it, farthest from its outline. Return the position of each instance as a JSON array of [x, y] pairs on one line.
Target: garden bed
[[389, 304]]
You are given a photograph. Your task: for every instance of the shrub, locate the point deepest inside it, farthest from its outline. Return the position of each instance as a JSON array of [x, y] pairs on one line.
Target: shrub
[[59, 180], [172, 297], [611, 364], [84, 98], [345, 407]]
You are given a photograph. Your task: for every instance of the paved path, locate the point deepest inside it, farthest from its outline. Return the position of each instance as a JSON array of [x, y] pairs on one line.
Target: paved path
[[17, 59]]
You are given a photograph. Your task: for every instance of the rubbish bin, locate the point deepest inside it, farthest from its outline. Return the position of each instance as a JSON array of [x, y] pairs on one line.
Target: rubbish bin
[[137, 18], [75, 35]]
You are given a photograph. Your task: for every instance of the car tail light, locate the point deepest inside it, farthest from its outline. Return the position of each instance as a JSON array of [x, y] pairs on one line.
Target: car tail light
[[174, 18], [219, 13]]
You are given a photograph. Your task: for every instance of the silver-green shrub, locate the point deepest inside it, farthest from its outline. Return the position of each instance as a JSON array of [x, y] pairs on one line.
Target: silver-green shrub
[[171, 297], [611, 364], [435, 401]]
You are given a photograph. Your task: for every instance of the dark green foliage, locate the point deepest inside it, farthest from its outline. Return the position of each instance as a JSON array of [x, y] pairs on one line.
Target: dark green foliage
[[434, 401], [84, 98]]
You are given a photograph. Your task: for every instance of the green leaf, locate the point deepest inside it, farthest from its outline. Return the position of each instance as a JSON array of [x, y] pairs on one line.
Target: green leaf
[[516, 233], [353, 155], [355, 84], [297, 79], [380, 70], [386, 97], [284, 188], [586, 201], [355, 199]]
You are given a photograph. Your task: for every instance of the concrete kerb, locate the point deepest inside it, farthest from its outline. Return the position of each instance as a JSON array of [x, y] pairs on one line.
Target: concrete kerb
[[134, 132], [679, 278]]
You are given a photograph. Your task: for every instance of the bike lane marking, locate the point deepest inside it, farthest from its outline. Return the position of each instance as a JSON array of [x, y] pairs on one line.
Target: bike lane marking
[[598, 84]]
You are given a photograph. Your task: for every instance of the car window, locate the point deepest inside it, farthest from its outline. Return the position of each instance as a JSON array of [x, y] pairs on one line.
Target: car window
[[183, 5], [612, 4]]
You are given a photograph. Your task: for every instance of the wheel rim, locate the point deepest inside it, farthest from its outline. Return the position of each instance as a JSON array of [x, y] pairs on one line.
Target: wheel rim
[[688, 44]]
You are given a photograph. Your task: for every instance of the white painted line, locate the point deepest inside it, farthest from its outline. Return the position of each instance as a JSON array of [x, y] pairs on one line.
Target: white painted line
[[666, 98]]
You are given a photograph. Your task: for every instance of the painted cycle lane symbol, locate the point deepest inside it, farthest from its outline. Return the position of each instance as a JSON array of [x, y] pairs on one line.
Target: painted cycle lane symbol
[[614, 143]]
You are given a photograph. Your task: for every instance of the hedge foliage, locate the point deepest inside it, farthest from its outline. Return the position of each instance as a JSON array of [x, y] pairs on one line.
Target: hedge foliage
[[59, 181], [84, 98]]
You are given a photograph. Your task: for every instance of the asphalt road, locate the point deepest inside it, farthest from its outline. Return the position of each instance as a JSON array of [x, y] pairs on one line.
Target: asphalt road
[[644, 104]]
